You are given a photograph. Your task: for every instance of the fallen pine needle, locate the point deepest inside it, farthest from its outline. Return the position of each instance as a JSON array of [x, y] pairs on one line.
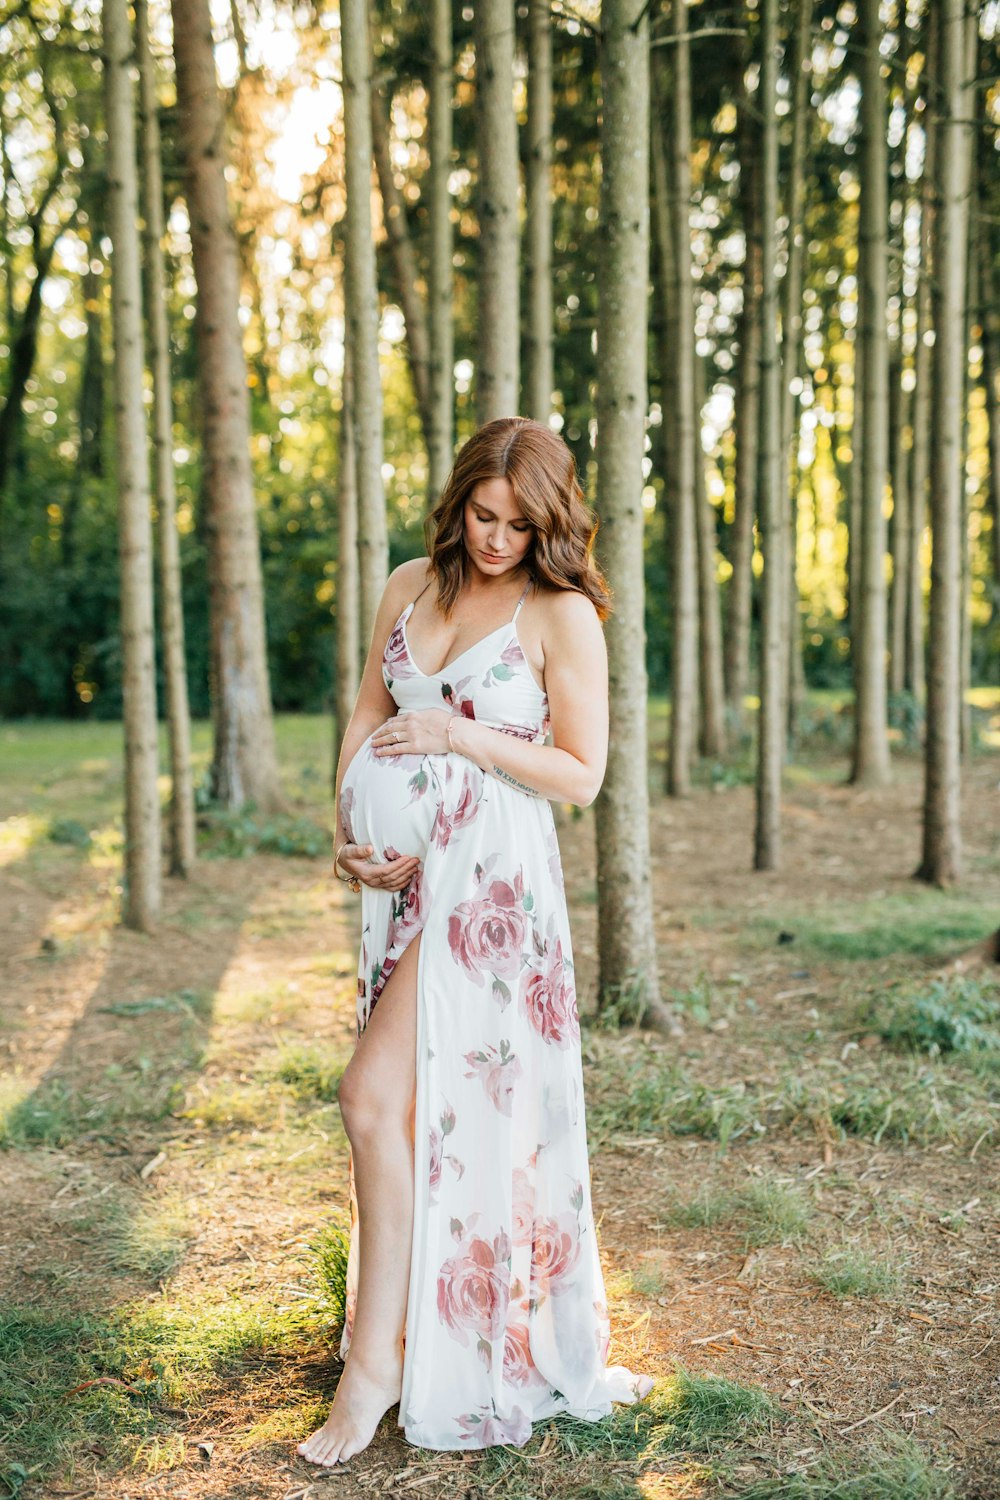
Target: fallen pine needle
[[842, 1431]]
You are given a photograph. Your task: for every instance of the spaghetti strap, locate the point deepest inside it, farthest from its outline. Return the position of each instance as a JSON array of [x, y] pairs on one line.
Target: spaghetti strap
[[520, 601], [422, 591]]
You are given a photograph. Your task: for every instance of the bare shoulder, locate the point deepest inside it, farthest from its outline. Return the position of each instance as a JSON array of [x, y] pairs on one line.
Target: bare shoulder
[[566, 613], [405, 581]]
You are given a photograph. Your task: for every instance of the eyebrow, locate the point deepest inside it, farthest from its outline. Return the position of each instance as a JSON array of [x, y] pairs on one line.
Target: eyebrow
[[516, 520]]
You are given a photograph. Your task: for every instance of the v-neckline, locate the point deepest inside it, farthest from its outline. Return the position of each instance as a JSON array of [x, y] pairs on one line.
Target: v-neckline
[[507, 625]]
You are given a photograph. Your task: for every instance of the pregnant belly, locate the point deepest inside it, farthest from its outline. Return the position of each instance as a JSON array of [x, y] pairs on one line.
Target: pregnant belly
[[391, 801]]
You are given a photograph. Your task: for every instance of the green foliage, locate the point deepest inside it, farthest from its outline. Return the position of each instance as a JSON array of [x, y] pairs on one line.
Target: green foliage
[[238, 835], [960, 1015], [765, 1213], [311, 1071], [329, 1251]]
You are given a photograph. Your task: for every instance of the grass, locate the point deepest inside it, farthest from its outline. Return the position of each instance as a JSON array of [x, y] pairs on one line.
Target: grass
[[311, 1072], [955, 1016], [68, 1381], [57, 1114], [764, 1213], [916, 923], [853, 1272], [894, 1468]]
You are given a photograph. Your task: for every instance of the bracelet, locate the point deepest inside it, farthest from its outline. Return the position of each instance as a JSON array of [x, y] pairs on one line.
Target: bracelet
[[447, 730], [350, 880]]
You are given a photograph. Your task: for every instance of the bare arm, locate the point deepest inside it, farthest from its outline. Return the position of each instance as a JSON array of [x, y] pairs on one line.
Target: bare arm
[[571, 769]]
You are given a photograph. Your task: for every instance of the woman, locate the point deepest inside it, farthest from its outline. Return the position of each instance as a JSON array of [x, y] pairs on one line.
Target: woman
[[474, 1289]]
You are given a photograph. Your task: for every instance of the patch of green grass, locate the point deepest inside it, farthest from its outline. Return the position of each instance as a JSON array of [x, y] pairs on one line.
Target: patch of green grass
[[327, 1254], [766, 1213], [854, 1272], [237, 835], [66, 1381], [312, 1072], [56, 1114], [960, 1015], [150, 1236], [232, 1106], [893, 1469], [917, 923]]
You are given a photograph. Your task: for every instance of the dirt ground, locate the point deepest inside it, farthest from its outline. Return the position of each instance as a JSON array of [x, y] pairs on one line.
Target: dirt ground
[[218, 1195]]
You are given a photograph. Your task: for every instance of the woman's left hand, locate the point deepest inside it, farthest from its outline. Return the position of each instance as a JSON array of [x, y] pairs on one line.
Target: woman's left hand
[[415, 731]]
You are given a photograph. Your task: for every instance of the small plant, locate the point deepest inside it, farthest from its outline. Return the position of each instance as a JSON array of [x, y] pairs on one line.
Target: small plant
[[854, 1272], [892, 1469], [958, 1015], [329, 1250], [311, 1072]]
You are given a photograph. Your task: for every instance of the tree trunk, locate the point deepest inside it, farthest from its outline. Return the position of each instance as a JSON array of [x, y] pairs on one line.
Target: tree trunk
[[902, 540], [142, 881], [627, 944], [538, 341], [363, 309], [991, 384], [182, 824], [498, 314], [711, 685], [868, 634], [404, 261], [441, 290], [684, 548], [747, 421], [791, 340], [920, 448], [773, 489], [349, 644], [245, 766], [942, 847]]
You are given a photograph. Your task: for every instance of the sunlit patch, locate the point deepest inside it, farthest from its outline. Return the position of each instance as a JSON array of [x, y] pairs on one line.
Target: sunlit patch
[[18, 835]]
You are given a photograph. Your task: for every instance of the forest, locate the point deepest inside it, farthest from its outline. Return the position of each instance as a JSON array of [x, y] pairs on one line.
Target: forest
[[265, 267]]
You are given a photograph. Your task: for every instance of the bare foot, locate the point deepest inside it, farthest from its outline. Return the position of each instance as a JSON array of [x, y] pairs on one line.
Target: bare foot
[[359, 1405]]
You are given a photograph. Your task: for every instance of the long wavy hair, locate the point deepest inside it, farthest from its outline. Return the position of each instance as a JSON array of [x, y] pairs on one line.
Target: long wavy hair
[[542, 474]]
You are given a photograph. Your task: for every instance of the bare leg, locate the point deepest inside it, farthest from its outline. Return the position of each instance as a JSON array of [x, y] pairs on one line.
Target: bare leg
[[376, 1098]]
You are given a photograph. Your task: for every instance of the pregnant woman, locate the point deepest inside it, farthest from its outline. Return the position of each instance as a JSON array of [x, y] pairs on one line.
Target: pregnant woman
[[475, 1296]]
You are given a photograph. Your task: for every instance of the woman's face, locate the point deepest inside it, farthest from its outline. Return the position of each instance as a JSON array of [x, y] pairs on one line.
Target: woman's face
[[497, 536]]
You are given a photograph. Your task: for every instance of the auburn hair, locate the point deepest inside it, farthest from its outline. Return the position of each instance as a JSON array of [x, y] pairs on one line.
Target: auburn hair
[[542, 473]]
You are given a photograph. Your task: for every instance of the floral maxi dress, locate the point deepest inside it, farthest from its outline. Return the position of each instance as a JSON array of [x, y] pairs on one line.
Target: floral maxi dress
[[506, 1318]]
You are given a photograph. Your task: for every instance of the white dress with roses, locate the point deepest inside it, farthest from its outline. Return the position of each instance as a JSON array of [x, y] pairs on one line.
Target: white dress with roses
[[506, 1318]]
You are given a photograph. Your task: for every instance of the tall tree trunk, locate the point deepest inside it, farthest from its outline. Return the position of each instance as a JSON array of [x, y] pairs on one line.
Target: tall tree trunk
[[747, 419], [538, 341], [868, 634], [920, 448], [684, 548], [363, 309], [791, 339], [245, 765], [772, 487], [182, 825], [404, 261], [942, 840], [626, 936], [349, 643], [991, 383], [711, 685], [498, 314], [442, 335], [142, 881], [902, 540]]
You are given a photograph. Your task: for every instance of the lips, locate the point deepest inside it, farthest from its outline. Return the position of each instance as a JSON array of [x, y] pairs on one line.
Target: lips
[[492, 557]]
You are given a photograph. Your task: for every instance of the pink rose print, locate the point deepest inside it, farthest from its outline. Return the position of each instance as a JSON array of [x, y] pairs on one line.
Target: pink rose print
[[347, 811], [497, 1072], [447, 824], [486, 933], [548, 995], [518, 1366], [408, 912], [396, 660], [487, 1430], [555, 1250], [473, 1286], [523, 1205], [455, 698], [437, 1138], [502, 669]]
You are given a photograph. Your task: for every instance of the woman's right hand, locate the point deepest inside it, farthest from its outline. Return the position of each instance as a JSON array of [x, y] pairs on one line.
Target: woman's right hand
[[391, 875]]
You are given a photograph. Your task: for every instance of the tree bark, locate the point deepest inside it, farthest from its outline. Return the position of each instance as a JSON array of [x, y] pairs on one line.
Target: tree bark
[[991, 385], [182, 824], [404, 262], [772, 487], [442, 336], [747, 422], [791, 339], [498, 314], [902, 538], [538, 340], [245, 766], [684, 548], [868, 632], [942, 842], [627, 945], [363, 309], [349, 644], [142, 894]]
